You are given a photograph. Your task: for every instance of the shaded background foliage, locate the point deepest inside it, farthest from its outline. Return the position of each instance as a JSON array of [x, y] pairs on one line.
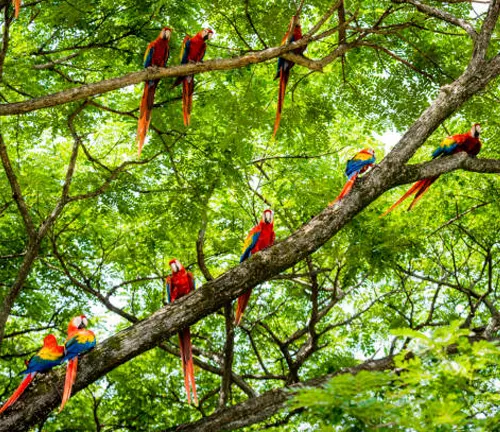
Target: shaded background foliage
[[106, 256]]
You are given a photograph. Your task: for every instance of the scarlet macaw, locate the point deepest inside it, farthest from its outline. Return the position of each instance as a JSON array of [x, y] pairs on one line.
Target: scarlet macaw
[[156, 54], [467, 142], [260, 237], [284, 67], [180, 283], [355, 166], [193, 51], [50, 355], [79, 341]]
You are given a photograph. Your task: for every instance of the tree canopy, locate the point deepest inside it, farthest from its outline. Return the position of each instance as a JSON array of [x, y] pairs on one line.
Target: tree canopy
[[388, 323]]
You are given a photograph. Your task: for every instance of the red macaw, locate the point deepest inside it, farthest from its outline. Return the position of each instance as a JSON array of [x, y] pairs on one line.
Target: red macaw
[[180, 283], [79, 341], [355, 166], [284, 67], [260, 237], [193, 51], [467, 142], [17, 7], [156, 54], [50, 355]]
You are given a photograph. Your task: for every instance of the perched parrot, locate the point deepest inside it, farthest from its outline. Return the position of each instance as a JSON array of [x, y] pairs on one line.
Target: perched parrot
[[355, 166], [79, 341], [50, 355], [284, 67], [193, 51], [156, 54], [467, 142], [17, 7], [180, 283], [260, 237]]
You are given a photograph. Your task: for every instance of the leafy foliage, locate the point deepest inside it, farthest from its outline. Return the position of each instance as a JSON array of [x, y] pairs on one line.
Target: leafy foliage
[[430, 389], [108, 251]]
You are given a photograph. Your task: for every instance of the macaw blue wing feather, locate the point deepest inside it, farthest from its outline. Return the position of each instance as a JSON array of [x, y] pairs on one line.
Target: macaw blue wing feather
[[447, 147], [192, 284], [148, 56], [250, 242], [354, 166], [185, 50], [169, 294]]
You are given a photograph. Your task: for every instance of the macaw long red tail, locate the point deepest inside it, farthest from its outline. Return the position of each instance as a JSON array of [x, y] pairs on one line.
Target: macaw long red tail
[[419, 189], [147, 102], [345, 190], [426, 184], [284, 75], [187, 98], [187, 364], [19, 391], [17, 7], [242, 305], [70, 379]]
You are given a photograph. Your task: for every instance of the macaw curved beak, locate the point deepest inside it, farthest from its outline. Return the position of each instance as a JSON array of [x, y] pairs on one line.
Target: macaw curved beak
[[83, 324], [477, 130], [175, 266]]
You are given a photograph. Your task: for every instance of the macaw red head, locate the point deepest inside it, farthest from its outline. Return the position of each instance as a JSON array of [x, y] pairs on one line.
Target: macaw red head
[[175, 265], [207, 34], [476, 130], [78, 322], [369, 151], [268, 216], [165, 33]]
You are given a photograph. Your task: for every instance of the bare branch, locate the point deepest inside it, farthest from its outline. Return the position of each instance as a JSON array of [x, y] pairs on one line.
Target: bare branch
[[442, 15], [487, 28], [53, 63], [152, 73]]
